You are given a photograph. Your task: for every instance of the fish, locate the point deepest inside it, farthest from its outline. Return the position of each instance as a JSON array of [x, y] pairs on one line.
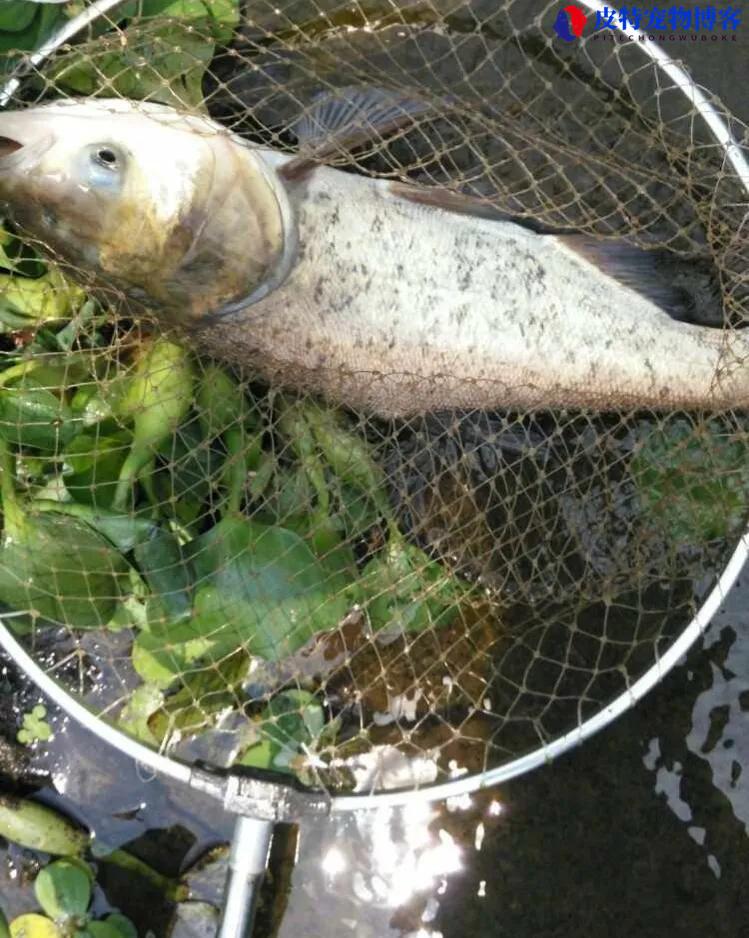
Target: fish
[[380, 295]]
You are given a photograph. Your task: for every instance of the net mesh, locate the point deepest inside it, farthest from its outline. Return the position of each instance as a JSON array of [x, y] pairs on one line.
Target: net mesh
[[247, 575]]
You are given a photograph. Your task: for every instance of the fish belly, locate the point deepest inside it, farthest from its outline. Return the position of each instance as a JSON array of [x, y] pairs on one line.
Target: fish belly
[[400, 308]]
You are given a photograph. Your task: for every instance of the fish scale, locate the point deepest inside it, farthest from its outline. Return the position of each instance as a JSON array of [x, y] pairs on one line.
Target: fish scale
[[397, 308]]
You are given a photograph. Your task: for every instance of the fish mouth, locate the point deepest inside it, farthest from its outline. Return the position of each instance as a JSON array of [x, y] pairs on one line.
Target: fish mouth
[[23, 140]]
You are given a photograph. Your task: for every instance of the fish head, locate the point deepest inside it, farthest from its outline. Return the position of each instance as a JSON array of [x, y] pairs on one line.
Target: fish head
[[169, 208]]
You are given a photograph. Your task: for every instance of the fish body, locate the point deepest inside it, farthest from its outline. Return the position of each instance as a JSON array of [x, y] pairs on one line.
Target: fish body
[[350, 287]]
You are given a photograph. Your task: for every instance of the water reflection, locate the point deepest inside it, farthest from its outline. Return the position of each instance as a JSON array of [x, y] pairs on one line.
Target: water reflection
[[385, 870], [717, 735]]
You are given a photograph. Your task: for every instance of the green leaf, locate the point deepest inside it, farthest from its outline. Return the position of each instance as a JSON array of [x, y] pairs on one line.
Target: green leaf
[[100, 930], [24, 25], [92, 466], [4, 927], [203, 694], [157, 397], [191, 464], [407, 591], [159, 659], [30, 301], [61, 569], [261, 587], [33, 416], [292, 722], [143, 703], [34, 926], [166, 568], [16, 15], [123, 925], [63, 890], [163, 61], [124, 531], [38, 827], [34, 728], [221, 402]]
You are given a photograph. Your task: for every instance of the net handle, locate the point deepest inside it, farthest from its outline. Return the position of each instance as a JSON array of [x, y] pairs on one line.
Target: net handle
[[237, 792]]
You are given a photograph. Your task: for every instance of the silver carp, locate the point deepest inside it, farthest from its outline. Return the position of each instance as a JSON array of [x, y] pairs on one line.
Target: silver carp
[[375, 294]]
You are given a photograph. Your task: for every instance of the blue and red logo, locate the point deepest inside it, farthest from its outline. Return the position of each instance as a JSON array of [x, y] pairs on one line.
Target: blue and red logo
[[570, 23]]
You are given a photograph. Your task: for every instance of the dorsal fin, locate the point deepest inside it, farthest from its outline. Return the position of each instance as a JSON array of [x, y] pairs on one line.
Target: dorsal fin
[[346, 119]]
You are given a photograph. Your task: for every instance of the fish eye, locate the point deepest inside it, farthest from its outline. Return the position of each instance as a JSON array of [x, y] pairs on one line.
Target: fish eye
[[106, 156]]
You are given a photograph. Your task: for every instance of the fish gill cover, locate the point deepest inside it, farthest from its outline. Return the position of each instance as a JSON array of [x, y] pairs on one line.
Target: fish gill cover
[[248, 575]]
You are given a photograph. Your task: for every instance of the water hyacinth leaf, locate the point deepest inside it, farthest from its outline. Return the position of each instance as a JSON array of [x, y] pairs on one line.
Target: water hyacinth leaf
[[259, 756], [262, 585], [335, 556], [92, 465], [38, 827], [124, 531], [63, 890], [191, 464], [224, 412], [347, 454], [26, 301], [6, 262], [103, 929], [161, 656], [61, 569], [16, 16], [25, 24], [34, 926], [156, 398], [142, 704], [222, 15], [288, 497], [409, 592], [166, 58], [292, 723], [165, 566], [123, 925], [220, 400], [203, 694], [33, 416]]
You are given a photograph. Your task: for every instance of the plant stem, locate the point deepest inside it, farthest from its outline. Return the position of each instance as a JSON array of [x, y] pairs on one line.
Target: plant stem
[[12, 511], [237, 470], [135, 461], [173, 891]]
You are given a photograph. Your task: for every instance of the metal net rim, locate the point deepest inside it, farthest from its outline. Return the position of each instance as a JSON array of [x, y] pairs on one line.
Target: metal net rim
[[310, 802]]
